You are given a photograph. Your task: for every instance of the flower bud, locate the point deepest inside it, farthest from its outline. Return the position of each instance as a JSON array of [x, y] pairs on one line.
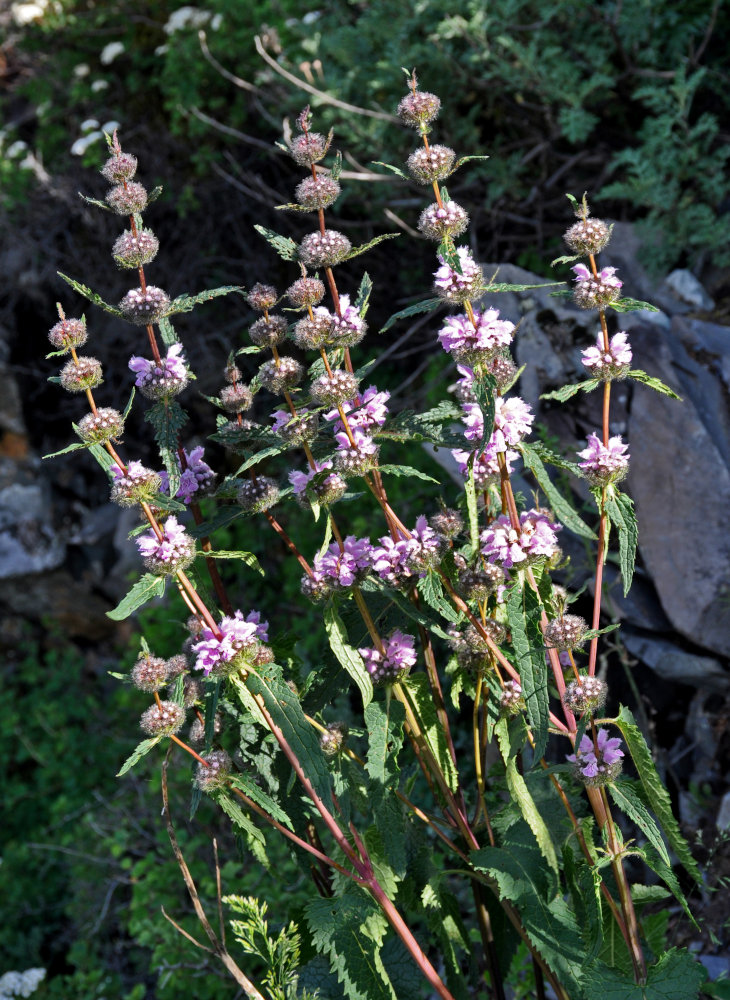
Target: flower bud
[[419, 109], [315, 589], [280, 374], [119, 167], [82, 374], [104, 425], [309, 148], [588, 236], [447, 522], [306, 292], [588, 694], [334, 389], [317, 192], [437, 222], [236, 398], [68, 333], [566, 632], [143, 307], [258, 494], [324, 249], [477, 584], [262, 297], [214, 772], [433, 164], [135, 249], [149, 673], [127, 199], [269, 331], [163, 719]]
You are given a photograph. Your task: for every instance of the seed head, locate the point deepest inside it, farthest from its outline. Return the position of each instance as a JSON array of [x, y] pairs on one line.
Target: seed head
[[309, 148], [419, 109], [280, 375], [149, 673], [566, 632], [433, 164], [585, 695], [262, 297], [176, 665], [311, 333], [143, 307], [333, 741], [127, 199], [214, 773], [196, 733], [511, 701], [317, 192], [447, 522], [104, 425], [84, 373], [478, 584], [135, 249], [438, 222], [68, 333], [296, 430], [138, 485], [588, 236], [334, 389], [306, 292], [236, 398], [324, 249], [163, 719], [269, 331], [258, 494], [119, 167]]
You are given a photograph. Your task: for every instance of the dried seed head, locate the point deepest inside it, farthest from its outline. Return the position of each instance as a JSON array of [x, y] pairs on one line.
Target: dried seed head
[[231, 373], [82, 374], [194, 625], [144, 306], [149, 673], [176, 665], [311, 333], [196, 733], [119, 167], [192, 691], [163, 719], [306, 292], [258, 494], [269, 331], [135, 249], [309, 148], [315, 589], [68, 333], [588, 236], [236, 398], [585, 695], [262, 297], [104, 425], [214, 773], [447, 522], [334, 739], [438, 222], [478, 584], [433, 164], [511, 701], [299, 429], [334, 389], [566, 632], [317, 192], [138, 485], [418, 109], [324, 249], [127, 199], [281, 374]]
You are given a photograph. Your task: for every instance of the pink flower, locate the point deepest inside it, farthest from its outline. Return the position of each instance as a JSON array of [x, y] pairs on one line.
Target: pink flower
[[198, 476], [593, 292], [398, 656], [604, 464], [174, 551], [340, 569], [157, 381], [602, 765], [612, 363], [466, 341], [486, 465], [371, 411], [455, 287], [536, 539], [238, 636]]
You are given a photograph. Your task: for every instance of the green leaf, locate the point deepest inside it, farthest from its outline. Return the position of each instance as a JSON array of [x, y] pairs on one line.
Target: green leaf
[[676, 976], [284, 246], [654, 791], [186, 303], [584, 883], [623, 794], [384, 721], [467, 159], [406, 470], [76, 446], [254, 837], [431, 590], [364, 247], [620, 509], [389, 166], [139, 752], [520, 794], [144, 590], [568, 259], [563, 510], [249, 787], [363, 294], [523, 615], [471, 508], [95, 202], [91, 296], [666, 874], [447, 251], [484, 385], [570, 390], [348, 658], [420, 695], [167, 419], [427, 305], [629, 305], [422, 615], [245, 557], [654, 383], [167, 331], [259, 456]]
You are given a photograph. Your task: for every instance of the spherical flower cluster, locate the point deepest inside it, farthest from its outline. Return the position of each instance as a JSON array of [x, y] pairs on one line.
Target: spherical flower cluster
[[257, 495], [137, 485], [587, 694], [341, 568], [473, 652], [313, 332], [447, 522], [236, 398], [149, 673], [511, 701], [127, 199], [588, 236], [396, 659], [68, 333], [425, 548], [309, 148], [613, 363], [458, 287], [333, 740], [214, 772], [324, 249], [305, 292], [477, 584], [317, 192], [144, 306], [268, 331], [262, 297], [81, 374], [334, 389], [103, 425], [197, 477], [371, 411], [163, 379], [295, 430], [593, 292], [135, 249], [468, 343], [512, 422], [502, 544], [419, 108], [597, 766], [119, 167], [355, 455], [439, 221], [604, 464], [390, 561], [566, 632], [166, 555], [433, 164], [239, 643], [486, 465], [176, 665], [349, 327], [281, 374], [196, 733], [327, 489], [163, 719]]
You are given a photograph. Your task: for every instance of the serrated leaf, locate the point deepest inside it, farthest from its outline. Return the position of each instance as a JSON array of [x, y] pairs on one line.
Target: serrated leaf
[[446, 250], [620, 509], [471, 507], [141, 750], [95, 202], [623, 794], [389, 166], [484, 385], [466, 159], [144, 590], [653, 383], [630, 305], [431, 590], [408, 471], [348, 658], [666, 874], [364, 247], [654, 791], [254, 837], [87, 293], [420, 694], [186, 303], [384, 721], [563, 510], [167, 331], [427, 305], [568, 259], [248, 786], [292, 206], [363, 295], [567, 391], [284, 246], [75, 446], [676, 976], [584, 884], [520, 794], [245, 557], [523, 615], [259, 456], [167, 419]]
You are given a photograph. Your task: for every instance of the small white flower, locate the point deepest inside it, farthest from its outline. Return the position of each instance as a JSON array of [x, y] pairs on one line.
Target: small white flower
[[99, 85], [186, 17], [82, 144], [16, 149], [89, 125], [26, 13], [83, 69], [110, 52], [110, 127], [20, 984]]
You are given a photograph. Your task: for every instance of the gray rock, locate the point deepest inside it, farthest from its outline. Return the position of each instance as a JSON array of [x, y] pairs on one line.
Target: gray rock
[[28, 543], [723, 813], [683, 284], [676, 665]]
